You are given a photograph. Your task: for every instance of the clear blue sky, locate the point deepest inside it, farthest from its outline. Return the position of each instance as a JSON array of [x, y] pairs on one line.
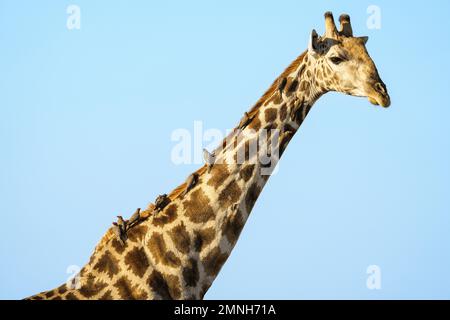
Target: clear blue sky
[[86, 118]]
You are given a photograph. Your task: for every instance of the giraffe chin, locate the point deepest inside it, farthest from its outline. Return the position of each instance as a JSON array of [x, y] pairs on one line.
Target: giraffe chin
[[372, 101], [385, 103]]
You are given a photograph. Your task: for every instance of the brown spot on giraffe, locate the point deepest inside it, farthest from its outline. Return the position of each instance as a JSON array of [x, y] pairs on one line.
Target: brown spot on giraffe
[[106, 296], [203, 238], [62, 289], [255, 124], [159, 285], [118, 246], [160, 253], [180, 238], [282, 85], [232, 226], [283, 112], [214, 261], [293, 86], [91, 286], [108, 264], [137, 233], [275, 99], [128, 291], [166, 216], [230, 194], [246, 172], [197, 207], [167, 287], [71, 296], [191, 273], [270, 115], [137, 261], [219, 173]]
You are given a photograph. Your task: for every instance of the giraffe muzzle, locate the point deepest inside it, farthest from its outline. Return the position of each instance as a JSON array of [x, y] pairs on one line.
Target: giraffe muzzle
[[380, 95]]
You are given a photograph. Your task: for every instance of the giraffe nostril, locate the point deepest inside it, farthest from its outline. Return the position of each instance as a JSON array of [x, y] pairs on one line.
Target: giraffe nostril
[[380, 88]]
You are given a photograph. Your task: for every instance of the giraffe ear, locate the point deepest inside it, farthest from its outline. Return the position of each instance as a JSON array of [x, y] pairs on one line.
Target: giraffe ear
[[364, 39], [313, 43]]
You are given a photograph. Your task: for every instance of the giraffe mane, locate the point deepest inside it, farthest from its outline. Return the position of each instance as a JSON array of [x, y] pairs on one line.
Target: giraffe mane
[[269, 92], [178, 190]]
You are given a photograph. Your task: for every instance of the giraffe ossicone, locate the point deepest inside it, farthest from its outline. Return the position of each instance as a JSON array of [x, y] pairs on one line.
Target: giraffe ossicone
[[177, 252]]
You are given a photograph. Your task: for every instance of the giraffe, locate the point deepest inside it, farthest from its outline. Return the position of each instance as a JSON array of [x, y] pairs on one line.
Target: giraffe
[[177, 246]]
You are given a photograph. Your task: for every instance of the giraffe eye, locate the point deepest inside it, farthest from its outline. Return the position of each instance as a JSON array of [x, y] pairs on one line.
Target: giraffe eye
[[337, 60]]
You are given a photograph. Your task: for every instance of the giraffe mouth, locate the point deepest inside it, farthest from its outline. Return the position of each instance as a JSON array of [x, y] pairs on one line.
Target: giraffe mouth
[[380, 96], [383, 101]]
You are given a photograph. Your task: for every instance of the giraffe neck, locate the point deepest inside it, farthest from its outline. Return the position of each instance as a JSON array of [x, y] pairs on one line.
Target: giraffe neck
[[216, 210], [178, 252]]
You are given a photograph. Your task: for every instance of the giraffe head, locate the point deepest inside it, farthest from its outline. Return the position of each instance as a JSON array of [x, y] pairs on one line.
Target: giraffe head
[[341, 62]]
